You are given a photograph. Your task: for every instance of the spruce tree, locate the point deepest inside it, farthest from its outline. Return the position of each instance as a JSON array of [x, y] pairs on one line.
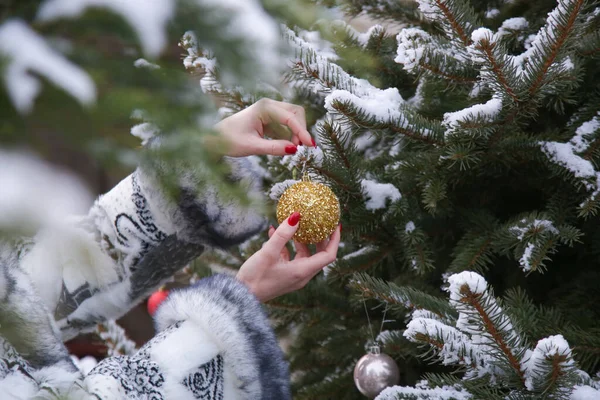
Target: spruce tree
[[463, 151]]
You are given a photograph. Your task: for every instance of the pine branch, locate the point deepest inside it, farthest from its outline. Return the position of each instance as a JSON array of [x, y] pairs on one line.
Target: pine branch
[[405, 297], [559, 30]]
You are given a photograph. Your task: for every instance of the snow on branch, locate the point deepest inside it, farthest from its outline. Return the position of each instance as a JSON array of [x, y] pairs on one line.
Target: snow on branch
[[456, 17], [550, 44], [115, 338], [325, 76], [569, 155], [550, 367], [27, 52], [451, 345], [481, 316], [472, 117], [497, 70], [36, 194], [418, 393], [377, 194], [421, 53], [148, 18]]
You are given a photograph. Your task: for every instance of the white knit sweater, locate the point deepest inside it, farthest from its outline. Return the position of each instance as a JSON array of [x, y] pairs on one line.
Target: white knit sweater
[[214, 341]]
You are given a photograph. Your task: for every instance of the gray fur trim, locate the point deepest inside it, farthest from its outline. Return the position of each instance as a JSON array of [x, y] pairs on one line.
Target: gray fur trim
[[208, 217], [225, 309]]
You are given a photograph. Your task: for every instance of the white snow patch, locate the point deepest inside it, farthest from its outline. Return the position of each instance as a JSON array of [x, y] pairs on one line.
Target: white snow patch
[[487, 111], [493, 13], [280, 187], [411, 47], [475, 282], [438, 393], [145, 131], [36, 194], [27, 51], [537, 224], [513, 24], [546, 348], [384, 105], [524, 261], [584, 393], [148, 18], [143, 63], [376, 194], [410, 226]]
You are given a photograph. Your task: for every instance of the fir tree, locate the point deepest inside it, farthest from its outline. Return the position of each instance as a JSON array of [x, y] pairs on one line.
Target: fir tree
[[463, 148]]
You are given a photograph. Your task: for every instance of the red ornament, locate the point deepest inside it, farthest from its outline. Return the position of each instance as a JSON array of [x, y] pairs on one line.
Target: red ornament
[[155, 299]]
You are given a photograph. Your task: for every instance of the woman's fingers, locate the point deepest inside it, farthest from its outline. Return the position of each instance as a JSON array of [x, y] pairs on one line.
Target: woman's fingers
[[306, 268], [285, 254], [275, 112], [282, 235], [272, 147], [302, 250]]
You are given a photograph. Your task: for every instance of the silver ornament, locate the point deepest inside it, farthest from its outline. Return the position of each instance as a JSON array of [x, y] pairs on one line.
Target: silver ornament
[[374, 372]]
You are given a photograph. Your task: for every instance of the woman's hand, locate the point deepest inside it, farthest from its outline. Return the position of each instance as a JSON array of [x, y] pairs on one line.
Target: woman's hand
[[270, 272], [245, 131]]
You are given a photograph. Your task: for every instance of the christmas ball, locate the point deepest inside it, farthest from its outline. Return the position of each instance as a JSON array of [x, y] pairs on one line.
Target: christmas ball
[[375, 372], [155, 299], [318, 206]]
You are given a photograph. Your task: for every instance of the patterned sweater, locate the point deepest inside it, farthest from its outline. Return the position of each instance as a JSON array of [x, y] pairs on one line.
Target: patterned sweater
[[214, 340]]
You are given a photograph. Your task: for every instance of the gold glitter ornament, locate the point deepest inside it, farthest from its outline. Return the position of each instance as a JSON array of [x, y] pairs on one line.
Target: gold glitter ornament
[[318, 206]]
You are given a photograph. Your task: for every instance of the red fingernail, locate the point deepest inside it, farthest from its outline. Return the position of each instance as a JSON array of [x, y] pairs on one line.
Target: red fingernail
[[294, 218], [340, 228], [313, 142], [291, 149], [271, 227]]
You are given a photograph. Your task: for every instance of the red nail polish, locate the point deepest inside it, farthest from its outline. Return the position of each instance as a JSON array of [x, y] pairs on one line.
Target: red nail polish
[[294, 218], [291, 149], [271, 227], [340, 228], [313, 142]]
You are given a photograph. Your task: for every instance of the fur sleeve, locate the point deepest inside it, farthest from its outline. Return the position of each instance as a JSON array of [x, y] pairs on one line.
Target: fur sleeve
[[214, 342]]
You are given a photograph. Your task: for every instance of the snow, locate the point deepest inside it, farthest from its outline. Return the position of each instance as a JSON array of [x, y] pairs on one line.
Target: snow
[[304, 153], [565, 154], [438, 393], [487, 111], [36, 194], [546, 348], [365, 141], [411, 47], [376, 194], [473, 280], [567, 63], [536, 225], [280, 187], [143, 63], [457, 348], [117, 341], [318, 43], [27, 51], [544, 38], [480, 34], [493, 13], [524, 261], [515, 24], [145, 131], [363, 38], [428, 7], [147, 18], [584, 393], [410, 226], [383, 105]]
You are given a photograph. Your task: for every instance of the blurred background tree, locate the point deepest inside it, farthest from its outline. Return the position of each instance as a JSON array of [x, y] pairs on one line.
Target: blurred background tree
[[461, 144]]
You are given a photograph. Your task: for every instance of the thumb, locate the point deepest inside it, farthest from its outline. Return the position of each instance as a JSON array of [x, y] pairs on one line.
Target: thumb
[[275, 147], [283, 234]]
